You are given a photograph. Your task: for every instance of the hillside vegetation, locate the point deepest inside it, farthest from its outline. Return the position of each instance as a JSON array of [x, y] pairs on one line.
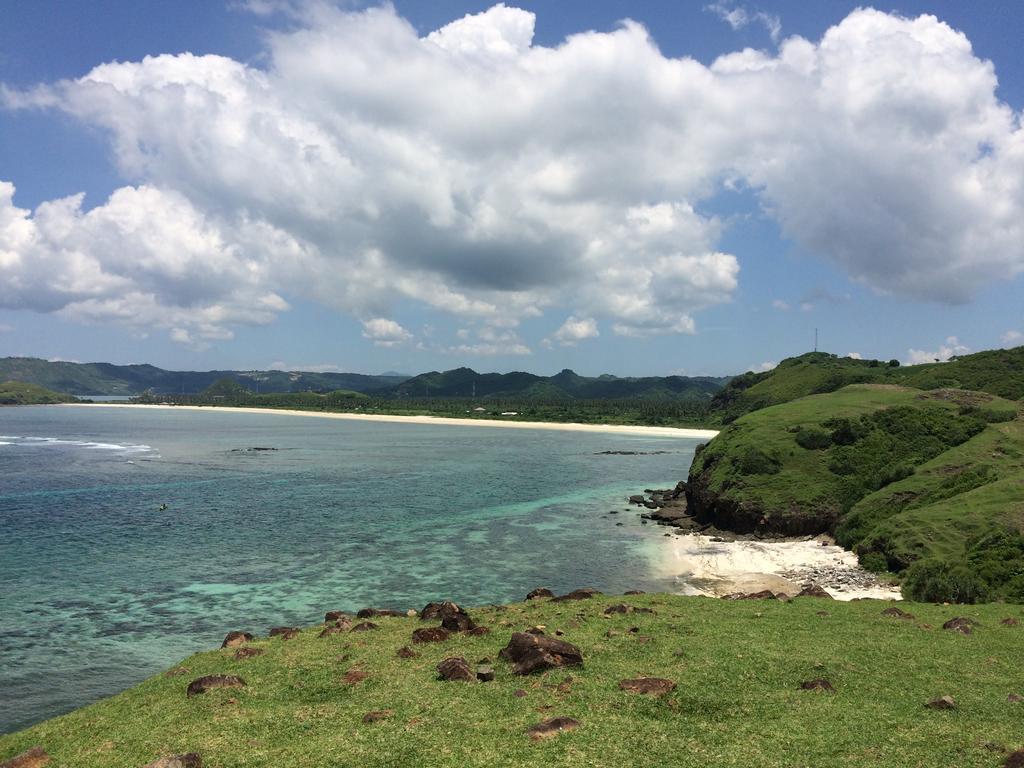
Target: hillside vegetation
[[731, 692], [19, 393]]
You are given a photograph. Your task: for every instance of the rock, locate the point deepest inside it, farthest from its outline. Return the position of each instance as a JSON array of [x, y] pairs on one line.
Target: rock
[[478, 631], [942, 702], [435, 611], [373, 613], [209, 682], [813, 590], [1009, 622], [485, 674], [577, 594], [960, 624], [618, 608], [235, 638], [364, 626], [455, 668], [637, 499], [519, 693], [35, 757], [534, 653], [1014, 759], [897, 613], [177, 672], [1015, 698], [285, 633], [540, 592], [405, 652], [765, 594], [458, 622], [336, 630], [817, 685], [354, 676], [378, 715], [189, 760], [653, 686], [248, 653], [634, 592], [429, 635], [552, 727], [335, 616]]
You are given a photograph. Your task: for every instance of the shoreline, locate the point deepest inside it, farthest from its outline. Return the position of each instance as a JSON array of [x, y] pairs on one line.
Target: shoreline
[[680, 432]]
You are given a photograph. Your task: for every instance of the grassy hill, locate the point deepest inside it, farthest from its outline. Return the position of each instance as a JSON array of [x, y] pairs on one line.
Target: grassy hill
[[19, 393], [909, 479], [738, 667]]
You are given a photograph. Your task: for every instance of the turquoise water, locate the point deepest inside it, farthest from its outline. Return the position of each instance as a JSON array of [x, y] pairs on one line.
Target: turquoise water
[[102, 587]]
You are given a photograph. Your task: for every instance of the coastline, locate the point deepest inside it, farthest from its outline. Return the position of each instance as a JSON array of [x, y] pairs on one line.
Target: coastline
[[683, 432]]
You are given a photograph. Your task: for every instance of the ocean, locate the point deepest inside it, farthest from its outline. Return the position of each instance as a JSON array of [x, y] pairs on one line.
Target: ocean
[[130, 539]]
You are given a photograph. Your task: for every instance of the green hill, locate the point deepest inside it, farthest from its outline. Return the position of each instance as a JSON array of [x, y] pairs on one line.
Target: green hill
[[733, 694], [909, 479], [19, 393]]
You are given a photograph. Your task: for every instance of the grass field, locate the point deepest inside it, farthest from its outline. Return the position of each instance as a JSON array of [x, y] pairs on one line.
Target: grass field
[[738, 667]]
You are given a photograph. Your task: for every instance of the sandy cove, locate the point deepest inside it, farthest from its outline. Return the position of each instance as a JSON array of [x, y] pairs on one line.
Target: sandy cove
[[700, 434], [704, 566]]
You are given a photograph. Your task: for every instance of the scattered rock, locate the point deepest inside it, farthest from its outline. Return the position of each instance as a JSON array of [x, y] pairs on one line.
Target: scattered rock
[[234, 639], [365, 626], [354, 676], [373, 613], [539, 592], [436, 611], [35, 757], [285, 633], [209, 682], [577, 594], [1015, 698], [653, 686], [248, 653], [189, 760], [813, 590], [377, 715], [1009, 622], [942, 702], [405, 652], [485, 674], [478, 631], [538, 630], [177, 672], [817, 685], [429, 635], [765, 594], [618, 608], [1014, 759], [960, 624], [335, 616], [534, 653], [455, 668], [335, 630], [897, 613], [552, 727]]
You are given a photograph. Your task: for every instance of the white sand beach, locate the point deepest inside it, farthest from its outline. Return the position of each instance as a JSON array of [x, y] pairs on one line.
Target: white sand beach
[[701, 434], [716, 568]]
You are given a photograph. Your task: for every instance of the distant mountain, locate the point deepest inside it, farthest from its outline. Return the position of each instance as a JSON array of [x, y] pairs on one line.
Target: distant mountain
[[465, 382], [108, 379]]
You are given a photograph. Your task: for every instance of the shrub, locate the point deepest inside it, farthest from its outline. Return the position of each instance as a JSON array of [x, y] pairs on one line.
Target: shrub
[[894, 363], [754, 461], [813, 439], [873, 561], [937, 581]]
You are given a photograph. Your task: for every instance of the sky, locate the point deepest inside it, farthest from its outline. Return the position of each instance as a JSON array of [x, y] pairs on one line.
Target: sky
[[629, 188]]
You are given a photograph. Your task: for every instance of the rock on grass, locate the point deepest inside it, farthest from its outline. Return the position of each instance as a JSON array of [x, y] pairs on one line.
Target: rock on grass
[[535, 653], [35, 757], [1014, 759], [236, 638], [455, 668], [209, 682], [539, 592], [552, 727], [248, 653], [960, 624], [188, 760], [429, 635], [652, 686], [942, 702], [285, 633]]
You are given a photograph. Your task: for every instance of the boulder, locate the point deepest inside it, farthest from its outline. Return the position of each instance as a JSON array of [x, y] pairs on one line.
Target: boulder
[[478, 631], [35, 757], [458, 621], [1014, 759], [819, 684], [577, 594], [429, 635], [248, 653], [618, 608], [652, 686], [813, 590], [285, 633], [897, 613], [189, 760], [455, 668], [209, 682], [334, 616], [437, 611], [539, 592], [364, 626], [535, 653], [552, 727], [373, 613], [637, 499], [942, 702], [485, 674], [405, 652], [765, 594], [234, 639], [960, 624]]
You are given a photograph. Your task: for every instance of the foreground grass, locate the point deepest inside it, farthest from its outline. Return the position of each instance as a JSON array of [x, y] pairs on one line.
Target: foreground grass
[[738, 666]]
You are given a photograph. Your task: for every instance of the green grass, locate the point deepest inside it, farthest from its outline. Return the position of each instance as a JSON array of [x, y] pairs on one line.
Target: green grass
[[19, 393], [737, 664]]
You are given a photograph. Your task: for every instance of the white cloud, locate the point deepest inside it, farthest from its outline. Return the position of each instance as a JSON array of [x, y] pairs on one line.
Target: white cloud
[[4, 328], [951, 348], [764, 367], [384, 332], [576, 329], [1012, 338], [279, 365], [479, 174], [780, 305], [490, 342], [737, 17], [854, 355]]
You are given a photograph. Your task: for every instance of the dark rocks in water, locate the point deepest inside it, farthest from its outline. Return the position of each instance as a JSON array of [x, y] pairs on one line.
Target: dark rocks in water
[[819, 684], [364, 626], [539, 592], [651, 686], [897, 613], [285, 633], [960, 624], [429, 635], [535, 653], [254, 449], [188, 760], [248, 653], [813, 590], [377, 715], [455, 668], [334, 616], [485, 674], [373, 613], [552, 727], [942, 702], [637, 499], [209, 682], [405, 652], [35, 757], [1009, 622], [651, 504], [577, 594], [235, 638]]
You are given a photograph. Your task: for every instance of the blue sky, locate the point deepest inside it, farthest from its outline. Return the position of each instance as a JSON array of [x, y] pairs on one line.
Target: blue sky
[[343, 189]]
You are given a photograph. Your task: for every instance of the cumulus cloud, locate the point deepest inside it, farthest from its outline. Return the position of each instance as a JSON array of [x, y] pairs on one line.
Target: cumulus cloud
[[384, 332], [489, 342], [1012, 338], [576, 329], [476, 173], [764, 367], [855, 355], [737, 17], [779, 304], [951, 348]]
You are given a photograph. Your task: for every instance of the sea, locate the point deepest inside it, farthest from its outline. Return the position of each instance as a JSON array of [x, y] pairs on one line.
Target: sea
[[131, 538]]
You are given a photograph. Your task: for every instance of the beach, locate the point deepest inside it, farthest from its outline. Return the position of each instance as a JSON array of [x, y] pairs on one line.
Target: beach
[[700, 434]]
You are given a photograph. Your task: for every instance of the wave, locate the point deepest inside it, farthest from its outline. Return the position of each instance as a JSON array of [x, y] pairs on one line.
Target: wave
[[57, 442]]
